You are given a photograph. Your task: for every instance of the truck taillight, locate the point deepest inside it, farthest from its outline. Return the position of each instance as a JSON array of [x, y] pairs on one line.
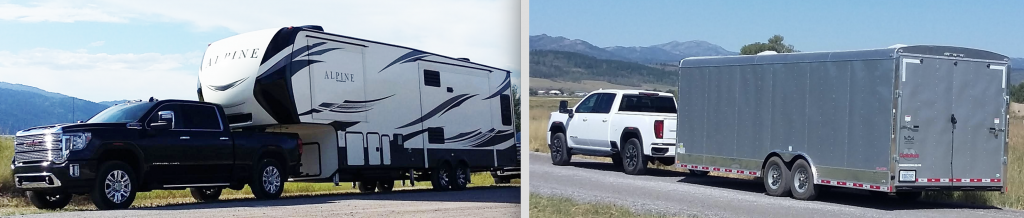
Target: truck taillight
[[300, 147], [659, 129]]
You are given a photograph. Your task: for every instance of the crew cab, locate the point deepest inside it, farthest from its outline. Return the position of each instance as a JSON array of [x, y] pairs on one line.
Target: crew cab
[[632, 127], [141, 146]]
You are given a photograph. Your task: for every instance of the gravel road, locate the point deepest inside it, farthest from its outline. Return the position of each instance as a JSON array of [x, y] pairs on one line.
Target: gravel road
[[472, 202], [673, 193]]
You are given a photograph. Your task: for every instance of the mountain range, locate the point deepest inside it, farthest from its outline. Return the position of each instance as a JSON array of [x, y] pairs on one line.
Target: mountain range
[[22, 107], [669, 52]]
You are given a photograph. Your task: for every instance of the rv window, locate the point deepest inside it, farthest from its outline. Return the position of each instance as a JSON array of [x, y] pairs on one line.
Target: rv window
[[506, 110], [435, 135], [431, 78]]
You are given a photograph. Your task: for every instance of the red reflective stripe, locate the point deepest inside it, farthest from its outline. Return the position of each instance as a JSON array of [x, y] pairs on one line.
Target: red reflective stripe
[[705, 168], [858, 185], [840, 183], [728, 170], [826, 181], [997, 180], [717, 169], [954, 180], [933, 180], [875, 187]]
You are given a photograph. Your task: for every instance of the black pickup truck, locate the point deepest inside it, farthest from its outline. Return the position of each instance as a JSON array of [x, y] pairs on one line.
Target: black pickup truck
[[156, 145]]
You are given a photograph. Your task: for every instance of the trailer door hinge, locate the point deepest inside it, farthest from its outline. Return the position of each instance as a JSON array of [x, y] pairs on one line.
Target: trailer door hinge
[[899, 94]]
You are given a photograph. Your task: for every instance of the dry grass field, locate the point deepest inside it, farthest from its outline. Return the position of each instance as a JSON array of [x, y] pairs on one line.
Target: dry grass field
[[1013, 198]]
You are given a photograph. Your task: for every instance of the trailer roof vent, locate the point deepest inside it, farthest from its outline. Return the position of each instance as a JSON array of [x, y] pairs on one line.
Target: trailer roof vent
[[767, 53], [463, 59]]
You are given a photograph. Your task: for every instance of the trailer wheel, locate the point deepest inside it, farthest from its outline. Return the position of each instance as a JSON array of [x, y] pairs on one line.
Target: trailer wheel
[[634, 161], [48, 201], [776, 178], [460, 177], [698, 173], [367, 186], [267, 180], [205, 194], [803, 181], [909, 196], [385, 185], [559, 150], [439, 177]]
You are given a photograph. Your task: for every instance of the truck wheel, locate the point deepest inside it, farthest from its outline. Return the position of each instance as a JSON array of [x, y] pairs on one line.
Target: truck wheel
[[267, 181], [48, 201], [115, 188], [559, 150], [460, 177], [385, 185], [698, 173], [803, 181], [367, 186], [909, 196], [439, 177], [617, 159], [634, 161], [776, 178], [205, 194]]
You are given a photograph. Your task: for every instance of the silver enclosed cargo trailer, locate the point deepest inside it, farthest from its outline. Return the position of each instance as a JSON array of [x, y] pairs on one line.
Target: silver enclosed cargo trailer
[[902, 119]]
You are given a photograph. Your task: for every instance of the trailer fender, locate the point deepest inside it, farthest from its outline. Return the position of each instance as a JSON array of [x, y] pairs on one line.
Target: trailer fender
[[790, 158]]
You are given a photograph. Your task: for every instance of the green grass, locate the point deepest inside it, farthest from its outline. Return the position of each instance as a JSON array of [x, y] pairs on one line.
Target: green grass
[[13, 203], [547, 206]]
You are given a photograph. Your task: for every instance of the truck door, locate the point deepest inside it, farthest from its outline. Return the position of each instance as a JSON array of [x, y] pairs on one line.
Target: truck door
[[589, 125], [925, 134], [979, 104]]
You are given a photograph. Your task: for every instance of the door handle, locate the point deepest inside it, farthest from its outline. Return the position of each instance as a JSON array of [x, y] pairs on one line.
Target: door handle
[[184, 138], [584, 119], [223, 138], [604, 120]]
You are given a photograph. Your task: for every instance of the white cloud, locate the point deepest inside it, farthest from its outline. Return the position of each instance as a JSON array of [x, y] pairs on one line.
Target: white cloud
[[57, 12], [96, 43], [103, 77]]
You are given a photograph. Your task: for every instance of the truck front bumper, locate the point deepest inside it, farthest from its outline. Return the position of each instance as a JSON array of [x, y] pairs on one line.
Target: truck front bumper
[[75, 177]]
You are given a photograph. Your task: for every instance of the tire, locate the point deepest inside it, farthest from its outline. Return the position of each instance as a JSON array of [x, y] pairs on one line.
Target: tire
[[439, 177], [776, 178], [461, 177], [698, 173], [206, 194], [367, 186], [120, 192], [385, 185], [633, 160], [909, 196], [559, 150], [617, 159], [48, 201], [803, 181], [267, 180]]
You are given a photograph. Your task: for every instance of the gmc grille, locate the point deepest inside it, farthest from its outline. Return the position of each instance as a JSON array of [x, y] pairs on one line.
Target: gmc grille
[[32, 148]]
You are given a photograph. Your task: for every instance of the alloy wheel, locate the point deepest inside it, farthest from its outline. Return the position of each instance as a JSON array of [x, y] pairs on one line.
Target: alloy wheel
[[117, 186], [271, 179]]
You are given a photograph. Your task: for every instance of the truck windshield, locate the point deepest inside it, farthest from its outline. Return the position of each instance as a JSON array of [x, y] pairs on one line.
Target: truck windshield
[[122, 113], [650, 104]]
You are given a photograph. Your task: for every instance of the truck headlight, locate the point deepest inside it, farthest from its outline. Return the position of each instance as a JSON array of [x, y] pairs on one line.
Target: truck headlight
[[76, 141]]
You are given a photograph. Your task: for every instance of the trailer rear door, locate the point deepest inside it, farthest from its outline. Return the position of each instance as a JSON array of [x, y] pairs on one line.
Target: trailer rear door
[[951, 127]]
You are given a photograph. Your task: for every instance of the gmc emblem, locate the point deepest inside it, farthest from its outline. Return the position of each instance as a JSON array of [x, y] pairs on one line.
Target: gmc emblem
[[36, 142]]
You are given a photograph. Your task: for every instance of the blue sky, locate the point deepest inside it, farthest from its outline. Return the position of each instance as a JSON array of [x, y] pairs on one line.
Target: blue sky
[[122, 49], [809, 25]]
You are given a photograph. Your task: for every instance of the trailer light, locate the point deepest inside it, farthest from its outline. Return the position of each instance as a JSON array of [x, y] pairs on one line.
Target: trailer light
[[659, 129], [908, 175]]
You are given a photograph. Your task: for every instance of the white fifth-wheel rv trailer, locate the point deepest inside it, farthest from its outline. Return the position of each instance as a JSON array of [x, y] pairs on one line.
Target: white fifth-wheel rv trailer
[[366, 111]]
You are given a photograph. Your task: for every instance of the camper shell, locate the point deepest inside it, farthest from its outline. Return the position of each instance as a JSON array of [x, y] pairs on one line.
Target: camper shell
[[363, 109], [898, 119]]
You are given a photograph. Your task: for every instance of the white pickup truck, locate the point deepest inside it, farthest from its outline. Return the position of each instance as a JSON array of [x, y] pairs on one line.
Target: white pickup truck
[[632, 127]]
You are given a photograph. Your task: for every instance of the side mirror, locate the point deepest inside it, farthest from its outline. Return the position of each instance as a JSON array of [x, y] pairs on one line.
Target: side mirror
[[563, 107], [165, 120]]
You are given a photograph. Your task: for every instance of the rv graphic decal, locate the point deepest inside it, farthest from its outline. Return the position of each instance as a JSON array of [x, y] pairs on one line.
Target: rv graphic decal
[[501, 88], [348, 106], [237, 54], [479, 139], [448, 105], [411, 56], [413, 134], [226, 86], [298, 63]]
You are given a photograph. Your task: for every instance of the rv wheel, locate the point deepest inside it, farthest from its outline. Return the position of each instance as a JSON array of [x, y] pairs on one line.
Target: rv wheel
[[367, 186], [48, 201], [385, 185], [559, 150], [634, 161], [776, 177], [460, 177], [803, 181], [439, 177]]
